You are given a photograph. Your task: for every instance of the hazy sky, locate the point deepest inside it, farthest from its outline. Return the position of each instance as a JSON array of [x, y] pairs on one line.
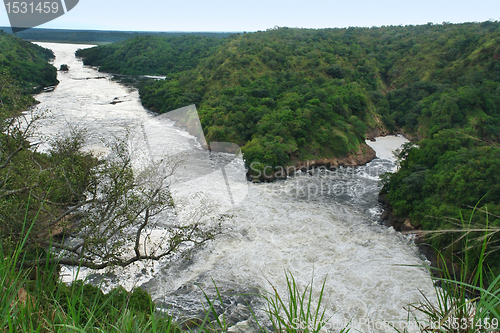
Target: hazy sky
[[225, 15]]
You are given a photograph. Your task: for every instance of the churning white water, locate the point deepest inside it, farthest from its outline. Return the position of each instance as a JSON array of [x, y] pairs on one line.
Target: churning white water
[[322, 224]]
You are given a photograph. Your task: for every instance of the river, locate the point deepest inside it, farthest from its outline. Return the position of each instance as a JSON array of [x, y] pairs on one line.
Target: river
[[321, 224]]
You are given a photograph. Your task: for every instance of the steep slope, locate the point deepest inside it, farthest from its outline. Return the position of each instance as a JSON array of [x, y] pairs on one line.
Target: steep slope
[[297, 94], [285, 95], [150, 54], [24, 70]]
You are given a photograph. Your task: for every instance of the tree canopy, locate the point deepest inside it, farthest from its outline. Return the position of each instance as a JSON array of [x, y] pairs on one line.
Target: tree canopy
[[288, 95], [295, 94], [150, 54], [24, 70]]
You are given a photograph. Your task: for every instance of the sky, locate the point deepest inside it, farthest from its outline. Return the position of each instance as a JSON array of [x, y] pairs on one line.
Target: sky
[[238, 16]]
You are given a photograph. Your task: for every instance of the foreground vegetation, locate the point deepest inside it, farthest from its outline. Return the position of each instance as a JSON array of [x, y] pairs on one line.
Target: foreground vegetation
[[33, 300]]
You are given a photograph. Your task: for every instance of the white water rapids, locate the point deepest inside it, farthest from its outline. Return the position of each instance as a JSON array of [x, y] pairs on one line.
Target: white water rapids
[[323, 224]]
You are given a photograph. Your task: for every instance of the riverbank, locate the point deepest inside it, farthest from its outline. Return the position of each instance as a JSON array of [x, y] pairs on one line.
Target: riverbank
[[362, 156], [405, 226]]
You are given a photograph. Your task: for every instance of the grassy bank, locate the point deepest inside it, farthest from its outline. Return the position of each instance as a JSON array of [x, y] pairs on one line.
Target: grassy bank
[[34, 300]]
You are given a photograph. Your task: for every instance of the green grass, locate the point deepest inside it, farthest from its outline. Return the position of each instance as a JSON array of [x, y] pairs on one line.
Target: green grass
[[297, 311], [34, 300], [464, 303]]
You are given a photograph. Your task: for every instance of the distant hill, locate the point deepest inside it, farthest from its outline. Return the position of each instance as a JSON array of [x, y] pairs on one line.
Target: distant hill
[[100, 36]]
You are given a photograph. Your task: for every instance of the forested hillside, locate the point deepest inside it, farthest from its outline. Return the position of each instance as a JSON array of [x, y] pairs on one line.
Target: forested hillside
[[150, 55], [24, 70], [287, 95], [294, 94], [284, 95], [439, 183], [291, 94]]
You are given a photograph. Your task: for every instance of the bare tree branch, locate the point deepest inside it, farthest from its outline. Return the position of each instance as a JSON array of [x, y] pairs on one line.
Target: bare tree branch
[[139, 231], [12, 192], [11, 156], [66, 213], [122, 206]]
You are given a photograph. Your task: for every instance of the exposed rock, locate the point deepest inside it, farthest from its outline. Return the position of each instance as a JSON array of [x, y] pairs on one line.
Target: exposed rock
[[364, 155], [407, 226], [385, 215], [373, 133], [48, 89], [389, 219]]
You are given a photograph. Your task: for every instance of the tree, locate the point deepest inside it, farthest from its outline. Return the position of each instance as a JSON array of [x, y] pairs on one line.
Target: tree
[[123, 209], [88, 211]]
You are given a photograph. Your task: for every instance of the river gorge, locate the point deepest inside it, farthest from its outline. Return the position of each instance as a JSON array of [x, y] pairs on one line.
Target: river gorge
[[322, 224]]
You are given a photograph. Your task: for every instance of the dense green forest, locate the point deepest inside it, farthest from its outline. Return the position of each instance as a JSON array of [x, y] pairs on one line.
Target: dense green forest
[[287, 94], [295, 94], [276, 93], [439, 183], [292, 94], [99, 36], [24, 69], [150, 54]]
